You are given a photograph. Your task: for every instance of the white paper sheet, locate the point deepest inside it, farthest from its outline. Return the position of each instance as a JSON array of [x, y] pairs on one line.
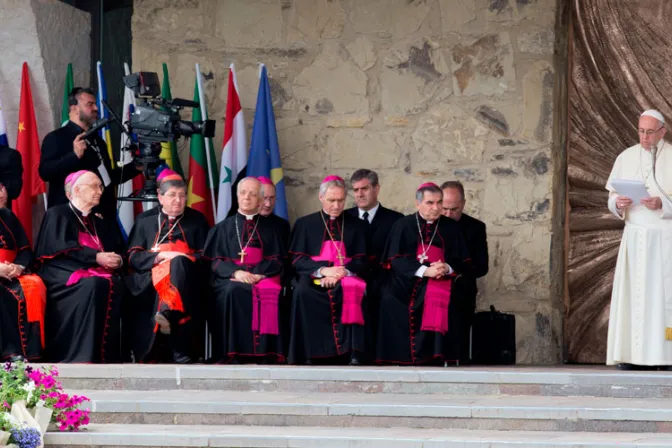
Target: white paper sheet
[[633, 189]]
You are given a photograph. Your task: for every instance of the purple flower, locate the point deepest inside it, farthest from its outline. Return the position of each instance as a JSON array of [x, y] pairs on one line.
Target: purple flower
[[9, 366], [29, 369], [26, 438]]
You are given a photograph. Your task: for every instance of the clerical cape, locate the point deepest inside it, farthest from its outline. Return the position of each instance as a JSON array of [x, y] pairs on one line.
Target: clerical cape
[[23, 299], [328, 323], [83, 299], [174, 287], [245, 320], [413, 320], [640, 318]]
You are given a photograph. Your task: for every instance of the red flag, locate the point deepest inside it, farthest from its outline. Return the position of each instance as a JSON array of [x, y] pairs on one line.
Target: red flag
[[28, 144]]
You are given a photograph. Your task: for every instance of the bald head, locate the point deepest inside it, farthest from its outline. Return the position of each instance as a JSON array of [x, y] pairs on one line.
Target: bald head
[[249, 195], [86, 190]]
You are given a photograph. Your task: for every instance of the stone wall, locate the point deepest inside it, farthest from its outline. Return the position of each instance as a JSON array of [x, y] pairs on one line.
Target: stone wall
[[47, 34], [416, 89]]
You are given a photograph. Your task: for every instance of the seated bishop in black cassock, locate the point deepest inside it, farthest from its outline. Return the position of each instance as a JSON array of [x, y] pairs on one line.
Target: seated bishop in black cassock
[[163, 319], [425, 252], [247, 256], [328, 251], [80, 265], [22, 295]]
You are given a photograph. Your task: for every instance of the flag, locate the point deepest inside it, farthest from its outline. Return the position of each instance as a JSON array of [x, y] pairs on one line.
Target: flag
[[234, 150], [169, 149], [102, 112], [28, 144], [3, 129], [264, 157], [69, 85], [202, 175], [127, 211]]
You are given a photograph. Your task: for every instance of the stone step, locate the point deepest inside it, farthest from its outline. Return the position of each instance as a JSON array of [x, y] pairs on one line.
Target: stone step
[[544, 381], [435, 411], [138, 436]]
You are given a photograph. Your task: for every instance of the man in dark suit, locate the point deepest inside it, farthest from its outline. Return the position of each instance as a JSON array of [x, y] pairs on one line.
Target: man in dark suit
[[379, 221], [463, 297], [64, 151], [11, 175]]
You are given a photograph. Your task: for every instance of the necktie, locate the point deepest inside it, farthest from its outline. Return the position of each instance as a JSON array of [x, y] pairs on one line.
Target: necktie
[[365, 217]]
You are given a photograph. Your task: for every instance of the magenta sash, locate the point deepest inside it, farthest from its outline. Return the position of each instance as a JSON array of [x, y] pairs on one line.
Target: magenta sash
[[437, 296], [353, 287], [265, 297], [86, 240]]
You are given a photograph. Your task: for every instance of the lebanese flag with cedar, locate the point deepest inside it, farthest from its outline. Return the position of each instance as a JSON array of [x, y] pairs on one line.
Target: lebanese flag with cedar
[[28, 144]]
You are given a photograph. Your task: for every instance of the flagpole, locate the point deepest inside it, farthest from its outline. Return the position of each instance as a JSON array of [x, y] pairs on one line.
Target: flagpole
[[204, 116]]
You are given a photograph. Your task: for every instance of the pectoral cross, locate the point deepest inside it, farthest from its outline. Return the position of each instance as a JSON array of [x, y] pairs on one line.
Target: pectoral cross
[[242, 254], [422, 258], [155, 248], [341, 258]]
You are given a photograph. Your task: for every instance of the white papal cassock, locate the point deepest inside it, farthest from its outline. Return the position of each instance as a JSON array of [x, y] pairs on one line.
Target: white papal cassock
[[641, 299]]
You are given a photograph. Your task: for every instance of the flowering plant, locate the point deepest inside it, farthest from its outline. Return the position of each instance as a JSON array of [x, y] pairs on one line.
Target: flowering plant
[[39, 388]]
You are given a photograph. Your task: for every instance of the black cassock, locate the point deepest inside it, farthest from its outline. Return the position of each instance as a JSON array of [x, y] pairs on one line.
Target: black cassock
[[21, 311], [281, 225], [317, 331], [400, 338], [83, 319], [231, 319], [186, 275]]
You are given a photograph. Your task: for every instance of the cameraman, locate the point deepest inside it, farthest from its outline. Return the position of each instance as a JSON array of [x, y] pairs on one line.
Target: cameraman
[[64, 151]]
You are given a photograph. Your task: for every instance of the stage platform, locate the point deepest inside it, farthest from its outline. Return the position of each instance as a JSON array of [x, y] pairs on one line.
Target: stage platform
[[289, 406]]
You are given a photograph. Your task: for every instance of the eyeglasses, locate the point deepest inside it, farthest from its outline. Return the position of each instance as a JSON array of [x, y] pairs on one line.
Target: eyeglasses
[[99, 187], [649, 132]]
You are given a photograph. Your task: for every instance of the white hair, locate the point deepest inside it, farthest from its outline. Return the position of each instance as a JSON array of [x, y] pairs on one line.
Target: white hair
[[324, 186], [246, 179]]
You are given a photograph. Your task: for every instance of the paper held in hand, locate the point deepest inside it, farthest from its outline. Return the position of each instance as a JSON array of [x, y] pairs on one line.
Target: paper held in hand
[[633, 189]]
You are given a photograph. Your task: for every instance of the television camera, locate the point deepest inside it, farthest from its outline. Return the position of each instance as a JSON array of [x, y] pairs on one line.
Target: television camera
[[154, 121]]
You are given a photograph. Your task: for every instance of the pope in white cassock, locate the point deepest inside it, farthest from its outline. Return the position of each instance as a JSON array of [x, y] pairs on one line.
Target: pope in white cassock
[[640, 321]]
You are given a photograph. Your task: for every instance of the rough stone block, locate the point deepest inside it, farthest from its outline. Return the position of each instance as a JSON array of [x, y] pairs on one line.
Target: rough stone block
[[316, 91], [414, 77], [363, 52], [393, 18], [484, 66], [357, 148], [447, 135], [249, 24], [455, 14], [312, 20], [539, 42], [538, 102]]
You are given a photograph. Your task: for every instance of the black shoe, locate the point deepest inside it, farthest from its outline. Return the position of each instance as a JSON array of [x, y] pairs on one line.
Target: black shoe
[[354, 360], [181, 358], [665, 368], [628, 366], [16, 358], [308, 362]]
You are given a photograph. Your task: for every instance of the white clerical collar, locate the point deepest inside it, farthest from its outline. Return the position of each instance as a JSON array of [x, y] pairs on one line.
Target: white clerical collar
[[660, 145], [84, 214], [371, 212], [171, 218], [247, 217]]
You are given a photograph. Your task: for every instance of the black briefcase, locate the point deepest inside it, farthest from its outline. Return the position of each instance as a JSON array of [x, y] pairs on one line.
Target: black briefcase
[[493, 338]]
